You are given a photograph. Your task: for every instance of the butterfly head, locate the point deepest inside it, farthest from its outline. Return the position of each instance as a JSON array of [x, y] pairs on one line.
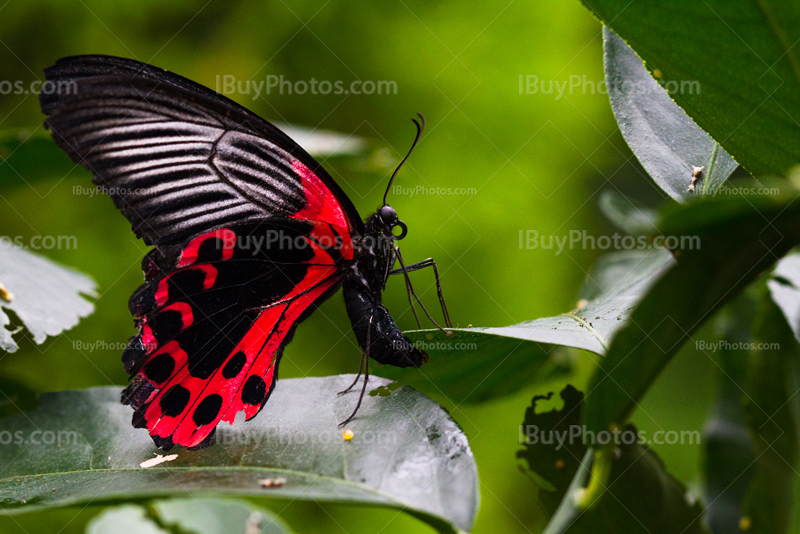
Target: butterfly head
[[389, 220]]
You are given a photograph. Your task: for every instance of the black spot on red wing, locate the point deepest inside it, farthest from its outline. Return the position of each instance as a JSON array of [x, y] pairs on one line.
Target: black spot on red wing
[[207, 410], [174, 401], [211, 353], [159, 368], [166, 325], [234, 365], [185, 282], [254, 390], [210, 250]]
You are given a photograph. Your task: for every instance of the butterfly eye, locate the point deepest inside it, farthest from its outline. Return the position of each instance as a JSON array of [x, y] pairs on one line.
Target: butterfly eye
[[403, 230], [388, 215]]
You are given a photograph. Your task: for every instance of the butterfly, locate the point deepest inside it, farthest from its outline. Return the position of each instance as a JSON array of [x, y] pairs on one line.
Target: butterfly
[[250, 235]]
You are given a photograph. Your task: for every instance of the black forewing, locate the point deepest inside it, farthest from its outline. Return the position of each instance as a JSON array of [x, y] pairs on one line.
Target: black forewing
[[177, 158]]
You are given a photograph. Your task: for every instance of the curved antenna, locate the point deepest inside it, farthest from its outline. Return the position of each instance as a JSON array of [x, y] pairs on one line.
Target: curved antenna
[[420, 129]]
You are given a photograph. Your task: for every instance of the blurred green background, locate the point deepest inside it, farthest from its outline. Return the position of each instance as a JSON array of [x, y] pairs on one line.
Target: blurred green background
[[533, 162]]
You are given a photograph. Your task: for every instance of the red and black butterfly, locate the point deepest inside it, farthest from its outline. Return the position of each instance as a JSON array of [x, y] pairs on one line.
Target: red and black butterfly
[[251, 234]]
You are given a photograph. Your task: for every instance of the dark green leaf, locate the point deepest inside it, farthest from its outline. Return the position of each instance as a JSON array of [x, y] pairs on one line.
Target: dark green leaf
[[731, 64], [739, 238], [466, 366], [552, 445], [198, 516], [406, 453], [639, 497], [666, 141], [47, 297]]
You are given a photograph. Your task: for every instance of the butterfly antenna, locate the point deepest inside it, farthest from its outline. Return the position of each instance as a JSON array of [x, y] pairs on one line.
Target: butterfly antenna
[[420, 128]]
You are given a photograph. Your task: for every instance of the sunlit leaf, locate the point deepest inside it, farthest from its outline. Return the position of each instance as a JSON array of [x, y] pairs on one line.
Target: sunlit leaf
[[467, 366], [666, 141]]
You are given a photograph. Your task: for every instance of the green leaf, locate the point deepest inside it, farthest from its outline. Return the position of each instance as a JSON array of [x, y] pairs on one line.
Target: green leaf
[[733, 67], [627, 214], [785, 290], [406, 453], [664, 139], [772, 416], [739, 238], [198, 516], [635, 495], [48, 298], [551, 450], [639, 497], [467, 366]]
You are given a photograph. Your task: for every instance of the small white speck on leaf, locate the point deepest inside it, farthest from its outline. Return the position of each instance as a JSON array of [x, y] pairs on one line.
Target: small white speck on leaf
[[272, 482], [159, 459]]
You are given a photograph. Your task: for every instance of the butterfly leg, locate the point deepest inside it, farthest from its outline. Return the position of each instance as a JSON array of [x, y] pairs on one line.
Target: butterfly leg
[[360, 370], [409, 290], [365, 361], [405, 269]]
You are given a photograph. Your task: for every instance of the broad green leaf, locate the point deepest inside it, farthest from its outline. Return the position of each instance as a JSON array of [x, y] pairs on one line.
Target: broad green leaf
[[739, 238], [627, 214], [467, 366], [730, 64], [771, 410], [785, 290], [406, 453], [667, 143], [198, 516], [48, 298]]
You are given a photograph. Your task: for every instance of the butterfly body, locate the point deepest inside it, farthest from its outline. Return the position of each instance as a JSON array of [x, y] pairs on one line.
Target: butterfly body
[[251, 235]]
